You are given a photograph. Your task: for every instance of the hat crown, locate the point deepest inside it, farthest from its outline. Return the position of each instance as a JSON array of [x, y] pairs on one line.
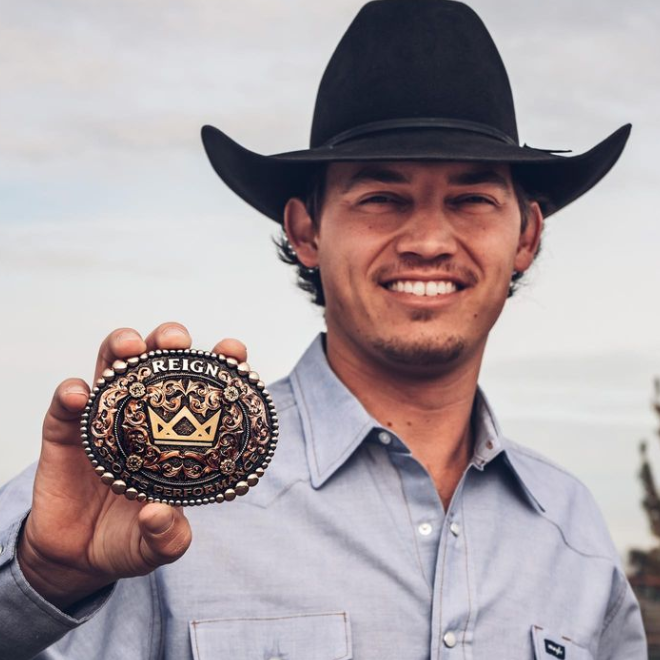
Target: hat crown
[[410, 60]]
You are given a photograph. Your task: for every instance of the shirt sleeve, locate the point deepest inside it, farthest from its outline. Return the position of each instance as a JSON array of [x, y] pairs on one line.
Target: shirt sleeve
[[30, 623], [623, 636], [123, 619]]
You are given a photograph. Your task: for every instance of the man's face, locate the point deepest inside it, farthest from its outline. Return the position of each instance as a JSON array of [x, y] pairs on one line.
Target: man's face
[[416, 258]]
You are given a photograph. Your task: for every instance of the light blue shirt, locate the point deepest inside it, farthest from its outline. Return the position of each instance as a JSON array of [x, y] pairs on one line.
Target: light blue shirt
[[344, 551]]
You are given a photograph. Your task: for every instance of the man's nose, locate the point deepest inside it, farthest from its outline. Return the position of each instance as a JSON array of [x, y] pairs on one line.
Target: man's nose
[[428, 232]]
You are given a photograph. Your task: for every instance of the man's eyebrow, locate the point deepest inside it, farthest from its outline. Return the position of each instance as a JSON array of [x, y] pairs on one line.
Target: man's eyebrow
[[474, 178], [374, 173]]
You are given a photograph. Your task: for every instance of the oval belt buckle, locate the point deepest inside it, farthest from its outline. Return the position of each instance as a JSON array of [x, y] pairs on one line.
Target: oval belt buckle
[[182, 427]]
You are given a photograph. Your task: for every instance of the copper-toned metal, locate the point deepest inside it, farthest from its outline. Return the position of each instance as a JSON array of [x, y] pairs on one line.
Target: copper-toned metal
[[183, 427]]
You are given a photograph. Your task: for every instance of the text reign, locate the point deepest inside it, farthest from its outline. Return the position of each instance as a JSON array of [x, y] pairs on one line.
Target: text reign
[[185, 364]]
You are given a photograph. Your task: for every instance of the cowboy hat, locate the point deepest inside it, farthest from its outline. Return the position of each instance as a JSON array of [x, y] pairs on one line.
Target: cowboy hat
[[412, 80]]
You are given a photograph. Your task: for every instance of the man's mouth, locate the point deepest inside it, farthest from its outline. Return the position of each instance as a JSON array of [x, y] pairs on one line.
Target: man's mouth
[[424, 288]]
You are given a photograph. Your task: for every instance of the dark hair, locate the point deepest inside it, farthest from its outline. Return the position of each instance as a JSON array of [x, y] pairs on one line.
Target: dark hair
[[309, 279]]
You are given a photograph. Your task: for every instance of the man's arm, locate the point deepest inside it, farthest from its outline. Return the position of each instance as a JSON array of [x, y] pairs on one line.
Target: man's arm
[[79, 538], [28, 623], [623, 636], [122, 621]]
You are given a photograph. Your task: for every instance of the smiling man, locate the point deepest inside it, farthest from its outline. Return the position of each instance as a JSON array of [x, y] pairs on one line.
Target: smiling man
[[419, 256], [397, 521], [416, 262]]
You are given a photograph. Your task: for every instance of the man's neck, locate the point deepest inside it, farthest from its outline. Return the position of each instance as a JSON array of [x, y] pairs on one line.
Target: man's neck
[[431, 414]]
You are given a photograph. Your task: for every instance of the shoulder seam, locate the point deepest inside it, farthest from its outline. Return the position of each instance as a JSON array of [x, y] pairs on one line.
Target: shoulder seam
[[572, 484], [569, 545], [616, 607], [279, 495]]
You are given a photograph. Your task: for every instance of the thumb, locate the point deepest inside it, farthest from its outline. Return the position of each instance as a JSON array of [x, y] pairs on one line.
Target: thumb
[[165, 534]]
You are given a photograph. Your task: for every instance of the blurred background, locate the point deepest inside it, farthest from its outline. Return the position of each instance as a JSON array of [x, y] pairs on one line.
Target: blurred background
[[110, 214]]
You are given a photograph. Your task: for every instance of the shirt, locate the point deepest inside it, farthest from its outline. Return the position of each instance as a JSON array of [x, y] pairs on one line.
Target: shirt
[[344, 551]]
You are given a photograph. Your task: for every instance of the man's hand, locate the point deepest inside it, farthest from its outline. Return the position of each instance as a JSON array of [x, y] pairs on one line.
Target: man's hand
[[79, 536]]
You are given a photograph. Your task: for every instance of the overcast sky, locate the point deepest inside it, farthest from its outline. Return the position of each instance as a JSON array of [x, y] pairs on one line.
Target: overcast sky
[[110, 214]]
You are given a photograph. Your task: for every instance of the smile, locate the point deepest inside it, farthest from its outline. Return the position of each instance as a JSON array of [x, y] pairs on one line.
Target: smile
[[419, 288]]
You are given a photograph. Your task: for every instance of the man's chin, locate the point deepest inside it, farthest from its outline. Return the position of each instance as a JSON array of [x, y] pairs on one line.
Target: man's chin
[[421, 353]]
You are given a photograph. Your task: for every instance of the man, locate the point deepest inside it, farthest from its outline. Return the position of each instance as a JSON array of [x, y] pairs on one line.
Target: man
[[397, 520]]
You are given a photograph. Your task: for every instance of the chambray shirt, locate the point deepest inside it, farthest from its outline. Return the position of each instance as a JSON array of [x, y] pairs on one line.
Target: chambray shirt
[[344, 551]]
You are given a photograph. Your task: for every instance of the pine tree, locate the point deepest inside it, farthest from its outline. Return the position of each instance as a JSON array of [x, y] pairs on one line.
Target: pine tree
[[645, 564]]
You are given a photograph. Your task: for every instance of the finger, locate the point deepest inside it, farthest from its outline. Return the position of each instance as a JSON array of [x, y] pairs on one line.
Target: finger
[[119, 344], [170, 335], [232, 348], [62, 469], [166, 534], [62, 420]]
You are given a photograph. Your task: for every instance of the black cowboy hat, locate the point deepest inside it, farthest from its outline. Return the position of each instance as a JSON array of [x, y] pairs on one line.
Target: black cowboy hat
[[412, 80]]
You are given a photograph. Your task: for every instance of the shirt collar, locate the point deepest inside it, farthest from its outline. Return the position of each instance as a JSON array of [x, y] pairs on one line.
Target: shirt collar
[[335, 424], [490, 443]]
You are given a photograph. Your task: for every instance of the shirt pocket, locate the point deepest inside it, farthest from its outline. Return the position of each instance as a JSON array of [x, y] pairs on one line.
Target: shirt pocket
[[323, 636], [550, 645]]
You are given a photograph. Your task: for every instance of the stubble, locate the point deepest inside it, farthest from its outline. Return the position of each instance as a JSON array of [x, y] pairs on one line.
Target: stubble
[[421, 353]]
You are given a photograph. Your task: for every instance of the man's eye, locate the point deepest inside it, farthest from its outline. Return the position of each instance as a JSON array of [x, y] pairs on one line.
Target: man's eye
[[474, 199], [379, 200]]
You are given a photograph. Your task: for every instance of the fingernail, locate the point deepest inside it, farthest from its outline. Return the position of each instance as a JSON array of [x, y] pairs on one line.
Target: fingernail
[[160, 524], [75, 389], [173, 331], [128, 335]]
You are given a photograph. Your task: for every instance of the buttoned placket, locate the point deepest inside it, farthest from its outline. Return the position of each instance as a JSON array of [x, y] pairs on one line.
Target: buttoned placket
[[441, 544], [442, 549], [454, 596], [423, 507]]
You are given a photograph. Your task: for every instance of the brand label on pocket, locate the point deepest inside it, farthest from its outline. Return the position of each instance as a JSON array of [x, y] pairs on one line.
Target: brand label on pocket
[[554, 649]]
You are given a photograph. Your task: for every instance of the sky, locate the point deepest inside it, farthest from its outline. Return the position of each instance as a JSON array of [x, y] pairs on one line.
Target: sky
[[111, 216]]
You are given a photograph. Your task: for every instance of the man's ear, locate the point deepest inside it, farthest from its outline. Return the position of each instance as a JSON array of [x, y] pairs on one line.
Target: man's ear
[[301, 232], [530, 239]]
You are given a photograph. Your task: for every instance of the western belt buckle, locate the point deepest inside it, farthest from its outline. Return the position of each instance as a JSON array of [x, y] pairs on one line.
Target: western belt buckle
[[183, 427]]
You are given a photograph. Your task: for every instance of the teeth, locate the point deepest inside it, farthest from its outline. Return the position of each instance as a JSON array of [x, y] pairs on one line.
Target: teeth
[[418, 288]]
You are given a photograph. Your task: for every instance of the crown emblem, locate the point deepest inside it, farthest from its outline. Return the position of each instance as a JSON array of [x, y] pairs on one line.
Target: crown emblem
[[183, 428]]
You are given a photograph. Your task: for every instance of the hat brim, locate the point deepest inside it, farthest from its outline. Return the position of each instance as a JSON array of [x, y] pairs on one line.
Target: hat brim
[[268, 182]]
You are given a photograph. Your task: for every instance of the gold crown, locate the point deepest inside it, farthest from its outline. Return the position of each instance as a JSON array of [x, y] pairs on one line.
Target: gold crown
[[164, 433]]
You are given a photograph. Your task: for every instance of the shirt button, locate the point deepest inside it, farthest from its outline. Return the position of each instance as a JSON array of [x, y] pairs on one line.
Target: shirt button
[[449, 639], [455, 528], [385, 437], [425, 529]]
